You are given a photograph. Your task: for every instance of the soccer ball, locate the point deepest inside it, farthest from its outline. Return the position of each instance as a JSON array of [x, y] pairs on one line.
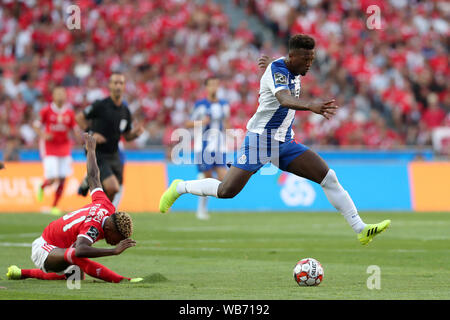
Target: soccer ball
[[308, 272]]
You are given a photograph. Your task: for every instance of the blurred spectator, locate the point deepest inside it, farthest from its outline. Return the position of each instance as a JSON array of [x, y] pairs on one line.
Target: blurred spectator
[[433, 116], [12, 148]]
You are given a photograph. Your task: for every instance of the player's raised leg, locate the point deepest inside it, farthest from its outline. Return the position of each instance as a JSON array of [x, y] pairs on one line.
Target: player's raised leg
[[311, 166], [234, 181]]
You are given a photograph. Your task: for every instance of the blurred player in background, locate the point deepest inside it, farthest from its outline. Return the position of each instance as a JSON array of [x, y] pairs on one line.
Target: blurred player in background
[[68, 241], [212, 114], [108, 120], [57, 121], [270, 139]]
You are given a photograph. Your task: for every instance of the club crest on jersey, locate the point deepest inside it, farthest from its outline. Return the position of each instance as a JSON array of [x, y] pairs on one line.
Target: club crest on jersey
[[242, 159], [93, 233], [280, 78]]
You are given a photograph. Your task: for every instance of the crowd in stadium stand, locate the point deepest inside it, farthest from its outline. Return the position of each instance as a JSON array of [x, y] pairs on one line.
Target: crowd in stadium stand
[[391, 83]]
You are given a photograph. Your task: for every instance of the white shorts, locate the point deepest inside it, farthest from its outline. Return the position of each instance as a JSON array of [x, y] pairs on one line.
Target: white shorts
[[57, 167], [40, 250]]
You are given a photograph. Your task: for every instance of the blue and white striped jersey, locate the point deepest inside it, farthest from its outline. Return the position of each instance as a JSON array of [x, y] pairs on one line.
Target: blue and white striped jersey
[[213, 134], [271, 118]]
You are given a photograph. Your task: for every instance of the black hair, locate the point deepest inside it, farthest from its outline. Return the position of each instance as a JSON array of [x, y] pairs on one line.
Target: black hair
[[301, 41]]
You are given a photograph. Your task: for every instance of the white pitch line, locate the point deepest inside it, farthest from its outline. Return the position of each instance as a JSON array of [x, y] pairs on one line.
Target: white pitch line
[[279, 249], [15, 244], [196, 229], [214, 249], [20, 235]]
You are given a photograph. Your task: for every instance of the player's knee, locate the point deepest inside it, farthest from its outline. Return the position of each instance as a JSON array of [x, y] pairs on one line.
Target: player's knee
[[226, 192], [111, 191], [330, 178]]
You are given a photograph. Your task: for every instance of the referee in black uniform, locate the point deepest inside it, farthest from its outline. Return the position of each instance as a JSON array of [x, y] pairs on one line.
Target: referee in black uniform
[[108, 120]]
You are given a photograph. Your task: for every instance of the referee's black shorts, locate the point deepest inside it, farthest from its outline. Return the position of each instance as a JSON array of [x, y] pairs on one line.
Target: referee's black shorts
[[110, 164]]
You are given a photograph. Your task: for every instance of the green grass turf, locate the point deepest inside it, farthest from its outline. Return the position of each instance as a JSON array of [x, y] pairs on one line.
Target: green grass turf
[[249, 256]]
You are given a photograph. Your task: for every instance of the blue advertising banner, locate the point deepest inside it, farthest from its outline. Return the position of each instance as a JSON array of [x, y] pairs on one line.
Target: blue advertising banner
[[377, 186]]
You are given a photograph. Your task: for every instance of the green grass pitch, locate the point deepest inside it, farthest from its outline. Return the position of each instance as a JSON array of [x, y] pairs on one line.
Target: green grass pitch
[[249, 256]]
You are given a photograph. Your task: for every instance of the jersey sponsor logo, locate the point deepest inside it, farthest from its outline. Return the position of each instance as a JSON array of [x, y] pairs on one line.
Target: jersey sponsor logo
[[280, 78], [93, 233]]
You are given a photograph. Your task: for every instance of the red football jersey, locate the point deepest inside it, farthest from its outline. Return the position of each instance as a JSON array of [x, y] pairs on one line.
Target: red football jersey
[[57, 122], [86, 222]]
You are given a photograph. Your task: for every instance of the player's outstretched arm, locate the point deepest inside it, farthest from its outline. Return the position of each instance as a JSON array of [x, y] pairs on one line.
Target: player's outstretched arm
[[84, 249], [326, 108], [93, 173]]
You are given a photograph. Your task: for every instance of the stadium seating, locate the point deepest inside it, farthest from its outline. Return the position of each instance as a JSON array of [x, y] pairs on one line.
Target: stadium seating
[[391, 84]]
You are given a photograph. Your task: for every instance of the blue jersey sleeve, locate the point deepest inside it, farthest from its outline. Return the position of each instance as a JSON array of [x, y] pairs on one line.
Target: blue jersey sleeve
[[280, 77]]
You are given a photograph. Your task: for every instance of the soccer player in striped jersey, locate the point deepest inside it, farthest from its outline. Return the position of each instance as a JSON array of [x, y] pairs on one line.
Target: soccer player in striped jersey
[[67, 241], [270, 139], [212, 113]]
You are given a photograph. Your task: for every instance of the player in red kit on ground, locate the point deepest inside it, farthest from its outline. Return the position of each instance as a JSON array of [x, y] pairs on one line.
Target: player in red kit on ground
[[57, 121], [68, 240]]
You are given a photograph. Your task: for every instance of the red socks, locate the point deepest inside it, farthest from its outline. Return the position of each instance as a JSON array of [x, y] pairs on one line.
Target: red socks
[[46, 184], [39, 274], [59, 189], [92, 268], [59, 192]]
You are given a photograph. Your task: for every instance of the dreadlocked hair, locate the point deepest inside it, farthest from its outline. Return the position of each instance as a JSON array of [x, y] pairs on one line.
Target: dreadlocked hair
[[123, 223]]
